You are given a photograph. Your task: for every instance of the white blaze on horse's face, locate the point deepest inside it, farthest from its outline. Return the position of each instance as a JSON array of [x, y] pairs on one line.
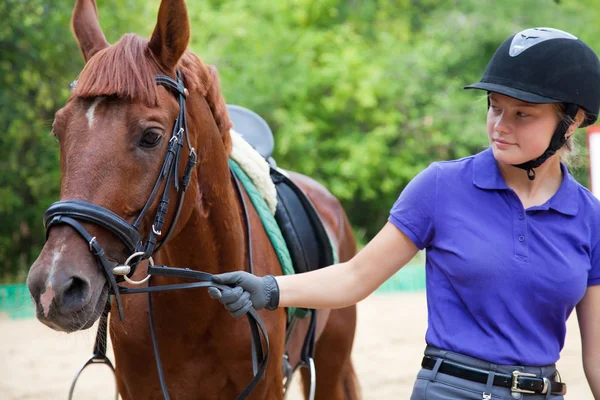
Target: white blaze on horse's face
[[47, 297], [90, 112]]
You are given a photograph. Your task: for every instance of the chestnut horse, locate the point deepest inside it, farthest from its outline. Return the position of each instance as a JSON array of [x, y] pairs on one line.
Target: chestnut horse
[[115, 135]]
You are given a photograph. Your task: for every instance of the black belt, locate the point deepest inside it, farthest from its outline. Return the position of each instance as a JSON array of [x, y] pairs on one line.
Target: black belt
[[518, 382]]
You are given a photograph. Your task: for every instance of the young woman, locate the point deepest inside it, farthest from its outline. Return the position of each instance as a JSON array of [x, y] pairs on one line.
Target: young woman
[[512, 240]]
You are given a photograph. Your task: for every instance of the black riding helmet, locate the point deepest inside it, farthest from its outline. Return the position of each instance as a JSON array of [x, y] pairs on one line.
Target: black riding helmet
[[546, 65]]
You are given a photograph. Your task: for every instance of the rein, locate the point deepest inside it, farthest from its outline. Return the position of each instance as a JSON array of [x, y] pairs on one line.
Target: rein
[[74, 212]]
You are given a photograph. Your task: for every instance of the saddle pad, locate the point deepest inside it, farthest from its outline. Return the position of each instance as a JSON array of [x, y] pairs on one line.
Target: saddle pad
[[255, 167]]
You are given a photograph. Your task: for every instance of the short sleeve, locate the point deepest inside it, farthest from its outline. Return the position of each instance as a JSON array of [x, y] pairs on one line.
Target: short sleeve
[[594, 275], [413, 213]]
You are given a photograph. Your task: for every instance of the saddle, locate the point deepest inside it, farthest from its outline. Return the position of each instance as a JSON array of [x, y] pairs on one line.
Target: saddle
[[302, 229], [301, 226]]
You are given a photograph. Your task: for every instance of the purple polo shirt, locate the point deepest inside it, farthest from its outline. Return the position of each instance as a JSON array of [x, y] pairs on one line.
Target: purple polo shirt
[[501, 280]]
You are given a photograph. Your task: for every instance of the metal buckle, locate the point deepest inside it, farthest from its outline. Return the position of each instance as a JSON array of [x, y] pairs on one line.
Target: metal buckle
[[546, 385], [515, 382], [91, 243]]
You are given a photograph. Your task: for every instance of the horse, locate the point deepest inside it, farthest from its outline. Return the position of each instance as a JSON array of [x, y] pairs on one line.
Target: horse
[[136, 103]]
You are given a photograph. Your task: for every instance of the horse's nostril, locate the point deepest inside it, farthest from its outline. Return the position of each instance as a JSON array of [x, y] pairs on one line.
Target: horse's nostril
[[74, 295]]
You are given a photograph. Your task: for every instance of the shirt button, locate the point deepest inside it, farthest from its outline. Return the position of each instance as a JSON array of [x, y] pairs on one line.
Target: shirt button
[[521, 238], [521, 216]]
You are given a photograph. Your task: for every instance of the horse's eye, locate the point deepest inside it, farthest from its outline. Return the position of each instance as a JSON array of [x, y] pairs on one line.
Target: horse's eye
[[150, 139]]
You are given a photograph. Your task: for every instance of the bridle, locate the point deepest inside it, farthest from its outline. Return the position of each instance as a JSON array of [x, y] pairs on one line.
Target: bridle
[[70, 212], [73, 212]]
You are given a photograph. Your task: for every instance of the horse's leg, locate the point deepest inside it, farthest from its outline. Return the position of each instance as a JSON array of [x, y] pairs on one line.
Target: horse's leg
[[336, 379], [123, 393]]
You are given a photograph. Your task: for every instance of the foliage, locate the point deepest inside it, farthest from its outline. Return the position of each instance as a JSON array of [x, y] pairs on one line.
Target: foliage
[[360, 95], [38, 60], [364, 95]]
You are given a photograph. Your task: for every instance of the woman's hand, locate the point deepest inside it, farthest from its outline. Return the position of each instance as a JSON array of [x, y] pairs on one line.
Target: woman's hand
[[246, 291]]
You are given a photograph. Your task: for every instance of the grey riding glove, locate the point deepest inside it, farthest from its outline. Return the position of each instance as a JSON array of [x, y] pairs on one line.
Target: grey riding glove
[[247, 291]]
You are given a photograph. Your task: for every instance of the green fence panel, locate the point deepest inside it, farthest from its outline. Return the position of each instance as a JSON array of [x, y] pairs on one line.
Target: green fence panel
[[411, 278], [15, 301]]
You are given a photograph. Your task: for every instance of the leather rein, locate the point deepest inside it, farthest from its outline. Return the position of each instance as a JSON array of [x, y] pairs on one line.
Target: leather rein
[[74, 212]]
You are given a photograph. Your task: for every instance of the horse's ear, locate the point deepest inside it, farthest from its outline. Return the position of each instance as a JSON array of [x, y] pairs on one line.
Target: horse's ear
[[171, 35], [87, 29]]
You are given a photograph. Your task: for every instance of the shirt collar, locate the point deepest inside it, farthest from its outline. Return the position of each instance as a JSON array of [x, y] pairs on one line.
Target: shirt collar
[[487, 175], [565, 199]]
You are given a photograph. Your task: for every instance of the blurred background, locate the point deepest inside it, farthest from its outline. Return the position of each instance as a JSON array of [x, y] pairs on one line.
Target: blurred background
[[361, 95]]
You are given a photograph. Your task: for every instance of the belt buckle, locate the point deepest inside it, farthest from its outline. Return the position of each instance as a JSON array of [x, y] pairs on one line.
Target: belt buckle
[[546, 386], [515, 382]]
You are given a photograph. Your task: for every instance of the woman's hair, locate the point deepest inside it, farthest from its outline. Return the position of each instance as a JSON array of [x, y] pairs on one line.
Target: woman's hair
[[569, 153]]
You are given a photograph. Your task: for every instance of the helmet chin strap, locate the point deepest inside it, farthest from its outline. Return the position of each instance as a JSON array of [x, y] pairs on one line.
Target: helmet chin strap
[[558, 140]]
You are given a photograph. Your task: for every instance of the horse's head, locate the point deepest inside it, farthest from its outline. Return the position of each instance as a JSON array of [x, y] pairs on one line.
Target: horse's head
[[115, 133]]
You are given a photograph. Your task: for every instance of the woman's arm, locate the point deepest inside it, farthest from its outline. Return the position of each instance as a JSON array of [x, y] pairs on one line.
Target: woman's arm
[[336, 286], [347, 283], [588, 315]]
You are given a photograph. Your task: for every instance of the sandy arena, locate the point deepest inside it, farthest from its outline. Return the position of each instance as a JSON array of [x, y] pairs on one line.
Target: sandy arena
[[38, 363]]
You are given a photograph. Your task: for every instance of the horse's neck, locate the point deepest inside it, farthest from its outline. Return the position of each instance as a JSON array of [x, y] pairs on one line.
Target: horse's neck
[[212, 239]]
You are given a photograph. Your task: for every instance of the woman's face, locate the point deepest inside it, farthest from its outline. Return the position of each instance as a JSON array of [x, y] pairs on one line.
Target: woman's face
[[519, 131]]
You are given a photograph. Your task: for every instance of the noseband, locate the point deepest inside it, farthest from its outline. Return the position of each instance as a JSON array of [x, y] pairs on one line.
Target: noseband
[[76, 212]]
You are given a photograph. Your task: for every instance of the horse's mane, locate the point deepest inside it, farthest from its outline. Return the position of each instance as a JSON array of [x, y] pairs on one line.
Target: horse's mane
[[126, 70]]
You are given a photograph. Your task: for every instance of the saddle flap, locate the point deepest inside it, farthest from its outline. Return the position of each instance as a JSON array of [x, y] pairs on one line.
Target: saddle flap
[[302, 229]]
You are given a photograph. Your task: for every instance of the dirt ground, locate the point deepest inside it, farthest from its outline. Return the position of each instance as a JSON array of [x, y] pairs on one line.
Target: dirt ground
[[38, 363]]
